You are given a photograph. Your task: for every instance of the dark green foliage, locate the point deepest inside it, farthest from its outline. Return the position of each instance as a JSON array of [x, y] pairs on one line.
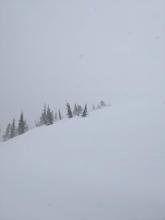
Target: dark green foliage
[[6, 136], [85, 112], [13, 131], [43, 118], [49, 116], [22, 125], [69, 111]]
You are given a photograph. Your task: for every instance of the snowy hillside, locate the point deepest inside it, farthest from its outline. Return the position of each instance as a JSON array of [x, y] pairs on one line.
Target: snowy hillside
[[108, 166]]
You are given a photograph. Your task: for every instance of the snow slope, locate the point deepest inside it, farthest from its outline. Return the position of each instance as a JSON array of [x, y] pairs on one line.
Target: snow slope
[[109, 166]]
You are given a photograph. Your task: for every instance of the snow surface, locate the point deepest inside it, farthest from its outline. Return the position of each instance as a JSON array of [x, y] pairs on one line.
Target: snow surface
[[109, 166]]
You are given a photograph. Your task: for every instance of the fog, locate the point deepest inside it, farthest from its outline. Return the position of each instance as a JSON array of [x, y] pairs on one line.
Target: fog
[[80, 51]]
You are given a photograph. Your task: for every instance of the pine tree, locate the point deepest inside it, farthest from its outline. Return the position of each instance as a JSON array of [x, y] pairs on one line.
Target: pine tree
[[22, 126], [59, 115], [85, 112], [79, 110], [13, 132], [102, 103], [75, 111], [69, 111], [6, 136], [43, 118], [49, 116]]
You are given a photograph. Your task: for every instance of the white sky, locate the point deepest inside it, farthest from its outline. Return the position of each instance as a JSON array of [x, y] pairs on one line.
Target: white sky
[[79, 50]]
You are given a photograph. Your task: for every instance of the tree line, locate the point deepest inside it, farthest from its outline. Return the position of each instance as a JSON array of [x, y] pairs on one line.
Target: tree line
[[47, 117], [12, 130]]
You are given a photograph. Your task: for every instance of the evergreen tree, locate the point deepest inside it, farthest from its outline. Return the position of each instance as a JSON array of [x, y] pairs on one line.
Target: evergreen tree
[[49, 116], [22, 126], [85, 112], [13, 132], [69, 111], [102, 103], [75, 111], [43, 118], [59, 115], [79, 110], [6, 136]]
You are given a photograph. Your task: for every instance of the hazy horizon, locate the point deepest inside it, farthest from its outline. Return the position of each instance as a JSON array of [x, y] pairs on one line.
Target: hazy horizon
[[80, 51]]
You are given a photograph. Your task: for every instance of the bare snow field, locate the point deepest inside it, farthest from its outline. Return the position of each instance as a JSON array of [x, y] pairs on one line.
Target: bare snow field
[[108, 166]]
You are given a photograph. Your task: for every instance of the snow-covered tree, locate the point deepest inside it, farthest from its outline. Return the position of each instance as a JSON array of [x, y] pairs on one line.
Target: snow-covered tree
[[69, 111], [13, 130], [75, 110], [102, 103], [79, 110], [22, 125], [43, 118], [85, 111], [6, 136], [49, 116]]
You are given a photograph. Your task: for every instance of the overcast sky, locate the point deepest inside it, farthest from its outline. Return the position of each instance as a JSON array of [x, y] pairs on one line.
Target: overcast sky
[[80, 51]]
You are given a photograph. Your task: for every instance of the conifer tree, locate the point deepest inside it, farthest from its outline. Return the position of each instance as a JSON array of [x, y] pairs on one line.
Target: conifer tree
[[59, 115], [13, 132], [75, 111], [22, 126], [43, 118], [79, 110], [85, 112], [49, 116], [102, 103], [6, 136], [69, 111]]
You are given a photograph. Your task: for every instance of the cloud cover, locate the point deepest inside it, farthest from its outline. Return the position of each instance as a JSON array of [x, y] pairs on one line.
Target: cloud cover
[[85, 50]]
